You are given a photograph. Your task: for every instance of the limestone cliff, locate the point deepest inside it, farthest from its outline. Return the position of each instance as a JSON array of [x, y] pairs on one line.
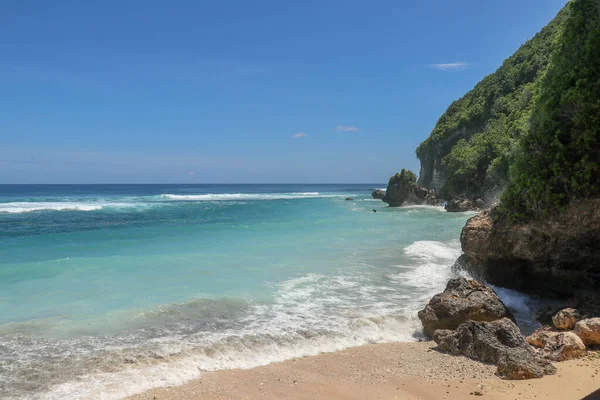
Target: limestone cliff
[[558, 255], [468, 151]]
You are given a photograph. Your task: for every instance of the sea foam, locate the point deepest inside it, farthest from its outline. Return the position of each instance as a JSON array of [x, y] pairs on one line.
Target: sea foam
[[245, 196]]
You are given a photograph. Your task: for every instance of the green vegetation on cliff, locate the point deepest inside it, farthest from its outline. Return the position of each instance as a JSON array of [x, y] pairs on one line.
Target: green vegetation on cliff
[[559, 159], [406, 177], [472, 143]]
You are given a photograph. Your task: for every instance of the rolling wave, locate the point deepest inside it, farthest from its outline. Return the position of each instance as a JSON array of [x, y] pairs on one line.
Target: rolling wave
[[245, 196]]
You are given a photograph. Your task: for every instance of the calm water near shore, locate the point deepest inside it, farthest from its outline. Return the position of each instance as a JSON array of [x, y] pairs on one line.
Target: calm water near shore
[[119, 288]]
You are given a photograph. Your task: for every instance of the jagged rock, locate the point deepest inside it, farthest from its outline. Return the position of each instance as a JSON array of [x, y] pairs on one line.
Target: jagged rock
[[378, 194], [539, 337], [403, 189], [556, 345], [461, 301], [498, 342], [588, 330], [459, 205], [566, 319], [556, 256], [480, 204]]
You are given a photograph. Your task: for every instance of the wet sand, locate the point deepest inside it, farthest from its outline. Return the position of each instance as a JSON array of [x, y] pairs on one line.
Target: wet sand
[[386, 371]]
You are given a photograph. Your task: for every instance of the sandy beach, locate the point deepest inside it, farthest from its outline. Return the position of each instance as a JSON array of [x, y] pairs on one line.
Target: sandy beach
[[386, 371]]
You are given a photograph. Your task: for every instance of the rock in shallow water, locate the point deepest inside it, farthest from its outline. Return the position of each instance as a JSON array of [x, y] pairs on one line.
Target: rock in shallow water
[[498, 342], [462, 300], [552, 257], [378, 194]]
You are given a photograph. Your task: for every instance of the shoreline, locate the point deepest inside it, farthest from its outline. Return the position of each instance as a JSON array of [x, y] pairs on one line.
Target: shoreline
[[404, 370]]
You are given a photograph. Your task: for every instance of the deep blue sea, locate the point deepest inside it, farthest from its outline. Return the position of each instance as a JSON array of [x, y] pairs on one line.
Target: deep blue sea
[[107, 290]]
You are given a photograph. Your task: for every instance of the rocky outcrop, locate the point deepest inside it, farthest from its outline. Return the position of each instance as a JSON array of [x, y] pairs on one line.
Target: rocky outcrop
[[566, 319], [462, 300], [555, 256], [401, 191], [557, 346], [589, 331], [462, 204], [378, 194], [498, 342]]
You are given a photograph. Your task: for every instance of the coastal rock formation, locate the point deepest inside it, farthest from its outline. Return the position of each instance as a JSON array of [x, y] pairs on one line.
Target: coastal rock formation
[[566, 319], [462, 204], [557, 346], [403, 189], [554, 256], [462, 300], [378, 194], [498, 342], [588, 330]]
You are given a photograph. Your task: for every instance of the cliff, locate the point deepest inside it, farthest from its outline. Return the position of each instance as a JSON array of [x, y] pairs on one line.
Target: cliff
[[468, 151], [554, 256]]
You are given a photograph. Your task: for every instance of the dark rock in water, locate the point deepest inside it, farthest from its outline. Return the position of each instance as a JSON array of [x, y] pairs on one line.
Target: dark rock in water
[[378, 194], [462, 300], [498, 342], [374, 210], [557, 256], [403, 189], [349, 199], [462, 204]]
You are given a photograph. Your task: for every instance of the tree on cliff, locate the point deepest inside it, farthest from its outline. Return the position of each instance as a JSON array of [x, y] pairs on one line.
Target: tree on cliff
[[559, 159]]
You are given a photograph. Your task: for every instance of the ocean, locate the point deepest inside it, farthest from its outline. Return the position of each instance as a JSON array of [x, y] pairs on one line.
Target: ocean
[[108, 290]]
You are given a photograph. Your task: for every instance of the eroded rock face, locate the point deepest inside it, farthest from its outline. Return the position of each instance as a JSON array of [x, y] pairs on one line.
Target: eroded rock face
[[461, 301], [556, 345], [400, 192], [378, 194], [463, 204], [566, 319], [554, 256], [588, 330], [498, 342]]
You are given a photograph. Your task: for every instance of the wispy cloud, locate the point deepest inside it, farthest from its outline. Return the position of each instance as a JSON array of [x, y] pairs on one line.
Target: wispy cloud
[[299, 135], [455, 66], [346, 128]]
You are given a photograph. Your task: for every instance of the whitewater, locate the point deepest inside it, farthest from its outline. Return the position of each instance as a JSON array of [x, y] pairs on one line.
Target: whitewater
[[116, 289]]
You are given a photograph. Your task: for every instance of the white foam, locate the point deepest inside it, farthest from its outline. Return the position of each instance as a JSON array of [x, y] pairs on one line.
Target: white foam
[[245, 196], [23, 207]]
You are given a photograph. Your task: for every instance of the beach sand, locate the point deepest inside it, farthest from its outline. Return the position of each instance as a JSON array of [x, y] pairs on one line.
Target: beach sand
[[386, 371]]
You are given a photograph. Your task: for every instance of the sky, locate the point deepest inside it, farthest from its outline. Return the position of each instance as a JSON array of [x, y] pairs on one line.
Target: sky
[[265, 91]]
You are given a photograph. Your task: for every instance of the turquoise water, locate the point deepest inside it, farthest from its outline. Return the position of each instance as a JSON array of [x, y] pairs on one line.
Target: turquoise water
[[114, 289]]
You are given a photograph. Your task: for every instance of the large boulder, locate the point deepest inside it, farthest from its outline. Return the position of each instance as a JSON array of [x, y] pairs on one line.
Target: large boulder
[[555, 256], [556, 345], [566, 319], [462, 300], [588, 330], [403, 189], [498, 342], [378, 194]]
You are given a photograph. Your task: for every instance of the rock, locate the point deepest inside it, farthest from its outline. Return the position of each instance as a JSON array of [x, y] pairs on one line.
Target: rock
[[539, 337], [461, 301], [555, 256], [566, 319], [459, 205], [480, 204], [498, 342], [349, 199], [378, 194], [403, 189], [588, 330], [556, 345]]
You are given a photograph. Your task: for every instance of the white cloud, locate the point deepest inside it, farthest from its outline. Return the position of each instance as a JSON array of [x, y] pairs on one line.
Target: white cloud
[[449, 66], [299, 135], [346, 128]]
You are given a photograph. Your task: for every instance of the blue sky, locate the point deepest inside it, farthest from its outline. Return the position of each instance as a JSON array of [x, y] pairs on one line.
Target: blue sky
[[238, 91]]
